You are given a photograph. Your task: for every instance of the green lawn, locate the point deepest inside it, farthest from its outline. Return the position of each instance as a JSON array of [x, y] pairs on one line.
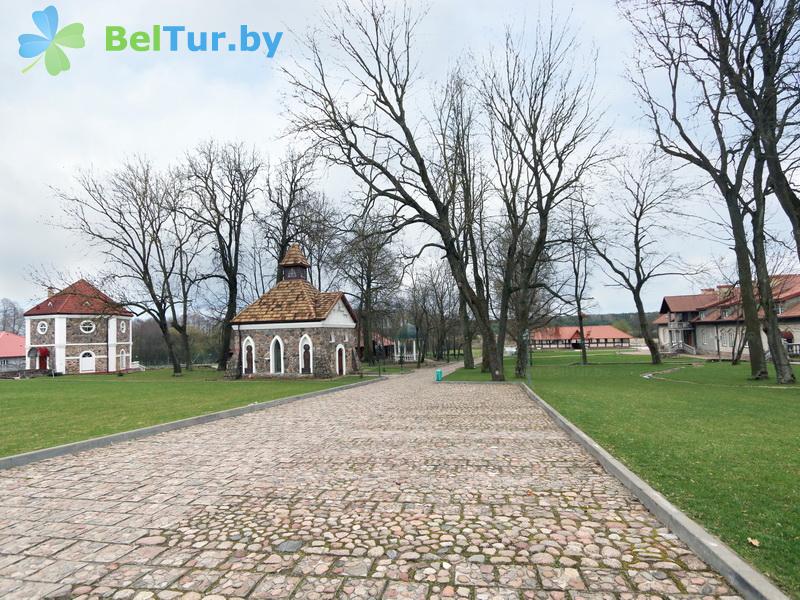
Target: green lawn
[[724, 449], [43, 412]]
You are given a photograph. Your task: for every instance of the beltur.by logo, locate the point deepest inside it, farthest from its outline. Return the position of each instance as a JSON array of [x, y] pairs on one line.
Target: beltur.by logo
[[173, 38], [50, 43], [176, 37]]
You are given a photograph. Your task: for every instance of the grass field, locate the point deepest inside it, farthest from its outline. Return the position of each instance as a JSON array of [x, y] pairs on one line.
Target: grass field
[[43, 412], [724, 449]]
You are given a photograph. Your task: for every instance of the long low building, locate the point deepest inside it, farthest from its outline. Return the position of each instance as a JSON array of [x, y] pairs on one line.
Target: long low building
[[12, 352], [595, 336], [712, 323]]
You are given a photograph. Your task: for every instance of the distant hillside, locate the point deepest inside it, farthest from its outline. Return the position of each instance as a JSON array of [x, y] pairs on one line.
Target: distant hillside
[[628, 322]]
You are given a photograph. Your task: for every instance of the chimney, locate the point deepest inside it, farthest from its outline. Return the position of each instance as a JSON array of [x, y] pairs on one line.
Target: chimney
[[51, 291]]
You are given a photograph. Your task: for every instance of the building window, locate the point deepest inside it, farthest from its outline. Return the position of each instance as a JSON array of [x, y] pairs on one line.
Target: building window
[[42, 327], [87, 326], [779, 308], [123, 326]]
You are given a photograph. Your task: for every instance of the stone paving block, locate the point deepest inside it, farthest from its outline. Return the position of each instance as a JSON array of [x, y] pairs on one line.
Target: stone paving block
[[361, 589], [275, 586], [319, 588]]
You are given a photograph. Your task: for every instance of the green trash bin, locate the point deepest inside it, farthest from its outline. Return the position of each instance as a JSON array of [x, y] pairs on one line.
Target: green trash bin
[[438, 374]]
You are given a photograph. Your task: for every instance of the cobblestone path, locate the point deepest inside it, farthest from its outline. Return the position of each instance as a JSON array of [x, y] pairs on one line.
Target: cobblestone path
[[401, 489]]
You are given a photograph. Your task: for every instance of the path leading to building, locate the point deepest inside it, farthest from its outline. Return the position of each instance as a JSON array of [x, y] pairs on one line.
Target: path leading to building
[[401, 489]]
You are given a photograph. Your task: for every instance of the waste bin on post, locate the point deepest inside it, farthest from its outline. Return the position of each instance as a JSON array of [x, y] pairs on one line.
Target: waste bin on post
[[438, 374]]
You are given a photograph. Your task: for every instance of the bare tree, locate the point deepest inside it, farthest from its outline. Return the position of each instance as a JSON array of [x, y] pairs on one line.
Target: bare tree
[[11, 318], [696, 123], [371, 269], [630, 242], [126, 217], [579, 259], [222, 182], [362, 120], [546, 139], [288, 192], [321, 235], [756, 46]]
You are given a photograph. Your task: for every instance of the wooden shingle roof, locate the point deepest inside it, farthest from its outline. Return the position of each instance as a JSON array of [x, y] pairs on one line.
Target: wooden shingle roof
[[294, 257], [292, 300]]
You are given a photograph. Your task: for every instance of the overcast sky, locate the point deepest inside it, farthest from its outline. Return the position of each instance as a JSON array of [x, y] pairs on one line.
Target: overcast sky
[[110, 106]]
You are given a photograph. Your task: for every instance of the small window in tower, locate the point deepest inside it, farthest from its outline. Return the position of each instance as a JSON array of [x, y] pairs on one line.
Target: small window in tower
[[87, 326], [123, 326], [41, 327]]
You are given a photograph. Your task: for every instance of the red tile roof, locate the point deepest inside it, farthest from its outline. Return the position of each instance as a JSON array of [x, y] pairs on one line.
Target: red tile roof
[[11, 345], [710, 304], [80, 298], [688, 302], [571, 332]]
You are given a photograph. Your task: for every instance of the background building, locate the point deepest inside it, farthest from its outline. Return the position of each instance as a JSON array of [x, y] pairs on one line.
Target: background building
[[294, 329], [78, 330], [12, 352], [712, 321]]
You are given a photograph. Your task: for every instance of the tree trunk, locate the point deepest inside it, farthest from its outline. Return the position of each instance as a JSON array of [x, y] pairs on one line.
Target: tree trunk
[[185, 346], [758, 367], [584, 355], [777, 350], [366, 327], [173, 357], [644, 326], [466, 326], [523, 335]]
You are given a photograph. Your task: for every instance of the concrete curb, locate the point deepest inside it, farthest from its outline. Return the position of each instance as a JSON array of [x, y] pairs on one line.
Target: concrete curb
[[18, 460], [743, 577]]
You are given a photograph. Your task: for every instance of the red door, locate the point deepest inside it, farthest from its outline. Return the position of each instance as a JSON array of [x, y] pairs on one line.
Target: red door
[[43, 354]]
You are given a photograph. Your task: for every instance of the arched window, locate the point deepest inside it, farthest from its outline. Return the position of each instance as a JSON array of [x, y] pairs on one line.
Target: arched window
[[123, 360], [306, 355], [87, 326], [341, 360], [276, 356], [248, 356]]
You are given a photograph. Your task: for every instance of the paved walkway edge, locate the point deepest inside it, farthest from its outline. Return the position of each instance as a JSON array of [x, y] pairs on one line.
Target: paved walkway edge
[[18, 460], [740, 574]]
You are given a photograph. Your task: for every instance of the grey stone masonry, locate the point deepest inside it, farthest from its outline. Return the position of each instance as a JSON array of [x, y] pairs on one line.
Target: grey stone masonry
[[324, 342]]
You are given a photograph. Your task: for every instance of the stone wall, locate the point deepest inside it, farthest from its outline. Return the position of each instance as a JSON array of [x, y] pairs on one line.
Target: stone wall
[[324, 342], [46, 339]]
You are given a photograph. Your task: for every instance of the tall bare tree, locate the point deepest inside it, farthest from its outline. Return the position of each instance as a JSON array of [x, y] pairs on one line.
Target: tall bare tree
[[222, 180], [546, 138], [361, 117], [694, 121]]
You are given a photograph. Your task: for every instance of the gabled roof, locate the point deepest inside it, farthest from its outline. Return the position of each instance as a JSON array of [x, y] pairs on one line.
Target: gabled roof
[[292, 300], [11, 345], [294, 257], [80, 298], [688, 302], [571, 332]]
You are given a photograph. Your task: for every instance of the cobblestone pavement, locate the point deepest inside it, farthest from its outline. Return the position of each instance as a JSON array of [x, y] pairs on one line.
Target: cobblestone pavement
[[401, 489]]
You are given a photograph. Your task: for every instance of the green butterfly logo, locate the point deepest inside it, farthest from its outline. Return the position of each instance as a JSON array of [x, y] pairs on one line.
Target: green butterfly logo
[[50, 42]]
